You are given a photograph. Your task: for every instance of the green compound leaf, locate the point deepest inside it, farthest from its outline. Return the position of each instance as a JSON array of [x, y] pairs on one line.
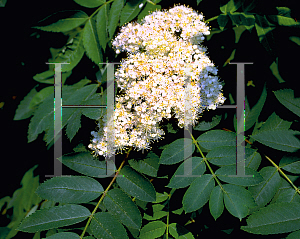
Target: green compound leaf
[[136, 185], [231, 6], [264, 32], [101, 23], [148, 166], [216, 138], [153, 230], [114, 16], [274, 219], [90, 3], [123, 208], [130, 11], [204, 126], [64, 235], [198, 193], [70, 189], [24, 111], [216, 205], [225, 174], [181, 180], [264, 192], [177, 151], [44, 115], [290, 163], [294, 235], [237, 200], [148, 8], [54, 217], [180, 232], [63, 21], [105, 225], [91, 42], [286, 97], [72, 53], [86, 164]]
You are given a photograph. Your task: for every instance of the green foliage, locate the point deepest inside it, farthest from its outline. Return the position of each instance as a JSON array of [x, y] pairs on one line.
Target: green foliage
[[146, 193]]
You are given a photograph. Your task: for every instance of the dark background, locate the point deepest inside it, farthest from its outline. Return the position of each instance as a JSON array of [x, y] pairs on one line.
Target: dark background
[[24, 54]]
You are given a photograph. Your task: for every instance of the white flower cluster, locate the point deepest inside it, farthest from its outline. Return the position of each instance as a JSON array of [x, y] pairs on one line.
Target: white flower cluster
[[164, 52]]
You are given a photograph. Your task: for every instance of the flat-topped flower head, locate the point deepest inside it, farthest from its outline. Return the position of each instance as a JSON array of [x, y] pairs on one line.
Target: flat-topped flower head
[[166, 67]]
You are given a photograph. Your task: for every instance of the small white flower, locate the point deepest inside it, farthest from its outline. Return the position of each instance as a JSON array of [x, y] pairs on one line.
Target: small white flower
[[141, 5]]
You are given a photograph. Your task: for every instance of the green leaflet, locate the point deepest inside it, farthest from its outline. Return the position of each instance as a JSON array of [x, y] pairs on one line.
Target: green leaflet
[[294, 235], [86, 164], [105, 225], [204, 126], [123, 208], [54, 217], [148, 166], [290, 163], [24, 111], [177, 151], [41, 96], [181, 180], [264, 192], [264, 32], [216, 138], [101, 23], [71, 189], [295, 39], [252, 115], [237, 200], [231, 6], [274, 219], [216, 205], [226, 155], [180, 232], [136, 185], [64, 235], [222, 21], [275, 71], [275, 133], [198, 193], [29, 185], [286, 97], [158, 212], [198, 1], [114, 16], [91, 42], [130, 11], [72, 53], [90, 3], [63, 21], [284, 21], [241, 18], [47, 77], [225, 174], [152, 230]]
